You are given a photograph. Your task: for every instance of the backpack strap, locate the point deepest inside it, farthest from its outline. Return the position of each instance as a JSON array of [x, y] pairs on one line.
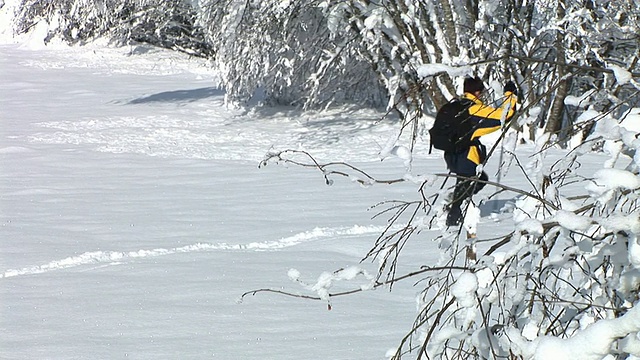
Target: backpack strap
[[467, 103]]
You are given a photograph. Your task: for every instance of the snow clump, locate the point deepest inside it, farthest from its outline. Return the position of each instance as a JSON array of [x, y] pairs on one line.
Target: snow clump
[[465, 288]]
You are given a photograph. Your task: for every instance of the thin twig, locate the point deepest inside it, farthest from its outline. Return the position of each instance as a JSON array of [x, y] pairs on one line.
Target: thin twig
[[423, 270]]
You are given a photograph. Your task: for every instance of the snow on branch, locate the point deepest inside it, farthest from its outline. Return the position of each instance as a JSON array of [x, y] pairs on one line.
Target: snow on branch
[[428, 70]]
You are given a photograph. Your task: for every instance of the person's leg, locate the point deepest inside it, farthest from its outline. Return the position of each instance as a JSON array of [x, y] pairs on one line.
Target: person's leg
[[465, 188], [477, 186]]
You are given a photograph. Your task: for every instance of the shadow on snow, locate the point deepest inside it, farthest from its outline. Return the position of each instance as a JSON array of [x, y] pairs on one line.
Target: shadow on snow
[[497, 206], [179, 96]]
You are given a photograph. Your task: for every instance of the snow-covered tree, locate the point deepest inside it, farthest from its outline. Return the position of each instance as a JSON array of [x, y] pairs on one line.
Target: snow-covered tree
[[169, 24], [542, 44], [286, 50]]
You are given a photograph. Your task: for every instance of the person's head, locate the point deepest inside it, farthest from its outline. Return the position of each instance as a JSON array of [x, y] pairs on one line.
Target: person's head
[[473, 85]]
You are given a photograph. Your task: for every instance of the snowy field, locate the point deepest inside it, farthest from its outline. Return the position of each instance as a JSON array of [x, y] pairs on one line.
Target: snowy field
[[134, 215]]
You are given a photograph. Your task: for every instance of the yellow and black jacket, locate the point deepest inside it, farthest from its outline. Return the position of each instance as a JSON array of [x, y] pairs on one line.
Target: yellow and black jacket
[[486, 120]]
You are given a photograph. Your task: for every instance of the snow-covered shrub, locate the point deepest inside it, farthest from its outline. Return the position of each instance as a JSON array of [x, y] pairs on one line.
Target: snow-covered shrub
[[565, 284], [286, 51], [169, 24]]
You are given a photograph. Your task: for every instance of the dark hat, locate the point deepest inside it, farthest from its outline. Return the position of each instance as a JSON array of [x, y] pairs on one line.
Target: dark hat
[[473, 84]]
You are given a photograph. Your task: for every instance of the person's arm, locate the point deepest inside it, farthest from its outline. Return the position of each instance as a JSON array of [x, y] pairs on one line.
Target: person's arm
[[489, 117]]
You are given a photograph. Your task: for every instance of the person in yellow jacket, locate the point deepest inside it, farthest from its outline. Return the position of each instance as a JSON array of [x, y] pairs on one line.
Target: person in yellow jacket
[[485, 120]]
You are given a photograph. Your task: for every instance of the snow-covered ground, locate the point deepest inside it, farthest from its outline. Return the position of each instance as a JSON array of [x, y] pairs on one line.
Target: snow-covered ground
[[133, 216]]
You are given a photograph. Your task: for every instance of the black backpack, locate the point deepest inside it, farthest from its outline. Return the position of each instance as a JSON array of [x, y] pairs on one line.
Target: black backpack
[[451, 132]]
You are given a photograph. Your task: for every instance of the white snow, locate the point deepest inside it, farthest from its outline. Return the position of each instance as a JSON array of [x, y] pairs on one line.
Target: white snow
[[605, 181], [427, 70], [634, 251], [572, 221], [464, 289], [632, 121], [622, 75], [579, 101], [592, 343], [530, 226], [134, 215]]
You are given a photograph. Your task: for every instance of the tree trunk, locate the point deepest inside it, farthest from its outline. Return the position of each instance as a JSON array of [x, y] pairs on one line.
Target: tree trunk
[[449, 28], [554, 121]]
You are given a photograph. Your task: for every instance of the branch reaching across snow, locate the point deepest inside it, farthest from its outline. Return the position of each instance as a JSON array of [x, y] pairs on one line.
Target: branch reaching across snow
[[325, 295]]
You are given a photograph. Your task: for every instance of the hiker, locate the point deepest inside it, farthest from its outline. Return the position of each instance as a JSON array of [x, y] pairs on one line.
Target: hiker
[[484, 120]]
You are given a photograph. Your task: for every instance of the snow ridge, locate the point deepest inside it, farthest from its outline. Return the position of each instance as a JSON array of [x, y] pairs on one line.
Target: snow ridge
[[117, 257]]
